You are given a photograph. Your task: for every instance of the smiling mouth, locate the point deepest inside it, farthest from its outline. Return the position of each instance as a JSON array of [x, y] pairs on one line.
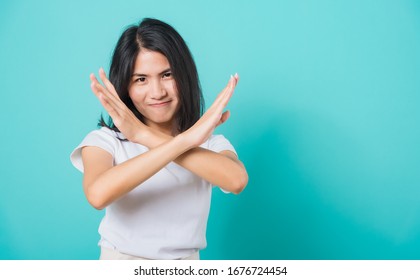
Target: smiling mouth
[[160, 104]]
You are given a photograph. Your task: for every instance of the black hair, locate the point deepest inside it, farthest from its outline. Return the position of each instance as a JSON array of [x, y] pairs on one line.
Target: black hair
[[155, 35]]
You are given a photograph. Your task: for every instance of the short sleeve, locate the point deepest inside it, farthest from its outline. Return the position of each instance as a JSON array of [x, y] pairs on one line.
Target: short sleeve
[[218, 143], [101, 138]]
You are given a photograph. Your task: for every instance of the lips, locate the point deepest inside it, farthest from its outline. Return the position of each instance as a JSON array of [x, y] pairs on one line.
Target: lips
[[160, 104]]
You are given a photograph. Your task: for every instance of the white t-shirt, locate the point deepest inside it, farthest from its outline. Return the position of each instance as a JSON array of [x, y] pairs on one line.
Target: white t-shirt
[[165, 217]]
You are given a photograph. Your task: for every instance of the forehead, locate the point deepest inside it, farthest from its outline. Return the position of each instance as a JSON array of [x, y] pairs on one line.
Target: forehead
[[150, 62]]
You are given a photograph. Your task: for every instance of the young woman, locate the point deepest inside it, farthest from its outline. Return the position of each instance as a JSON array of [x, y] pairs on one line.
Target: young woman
[[153, 165]]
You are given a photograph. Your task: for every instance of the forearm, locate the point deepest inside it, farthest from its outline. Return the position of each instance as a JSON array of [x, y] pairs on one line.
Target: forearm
[[122, 178], [220, 170], [224, 170]]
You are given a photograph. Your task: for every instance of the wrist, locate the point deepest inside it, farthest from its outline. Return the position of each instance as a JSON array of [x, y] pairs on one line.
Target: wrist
[[151, 138], [183, 141], [142, 136], [188, 140]]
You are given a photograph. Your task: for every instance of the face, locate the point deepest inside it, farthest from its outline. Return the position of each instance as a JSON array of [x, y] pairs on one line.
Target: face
[[153, 90]]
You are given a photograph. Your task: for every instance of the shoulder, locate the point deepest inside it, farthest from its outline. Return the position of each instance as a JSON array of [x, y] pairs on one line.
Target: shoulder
[[105, 132], [103, 138]]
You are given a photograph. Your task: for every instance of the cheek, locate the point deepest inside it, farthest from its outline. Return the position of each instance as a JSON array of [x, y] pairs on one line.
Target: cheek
[[135, 94], [171, 88]]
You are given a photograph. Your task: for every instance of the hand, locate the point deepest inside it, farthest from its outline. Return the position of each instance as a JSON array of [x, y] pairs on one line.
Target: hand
[[121, 115], [213, 117]]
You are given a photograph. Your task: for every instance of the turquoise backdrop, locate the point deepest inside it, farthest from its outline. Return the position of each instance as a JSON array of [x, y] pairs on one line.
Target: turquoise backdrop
[[326, 119]]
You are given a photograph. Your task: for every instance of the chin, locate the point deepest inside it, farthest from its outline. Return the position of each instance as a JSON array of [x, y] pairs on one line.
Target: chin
[[161, 121]]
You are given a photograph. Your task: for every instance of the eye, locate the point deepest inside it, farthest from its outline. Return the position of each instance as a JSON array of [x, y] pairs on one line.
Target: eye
[[140, 80], [167, 75]]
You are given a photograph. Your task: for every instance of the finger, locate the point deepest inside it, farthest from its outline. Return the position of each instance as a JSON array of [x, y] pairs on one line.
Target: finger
[[236, 76], [110, 104], [93, 79], [113, 99], [114, 114], [102, 92], [111, 89], [105, 89], [225, 94], [96, 85], [107, 82], [93, 85]]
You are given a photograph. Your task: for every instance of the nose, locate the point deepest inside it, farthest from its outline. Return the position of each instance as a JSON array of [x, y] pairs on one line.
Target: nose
[[157, 90]]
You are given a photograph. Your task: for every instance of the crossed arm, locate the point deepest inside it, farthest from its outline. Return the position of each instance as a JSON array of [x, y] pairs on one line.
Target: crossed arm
[[103, 183]]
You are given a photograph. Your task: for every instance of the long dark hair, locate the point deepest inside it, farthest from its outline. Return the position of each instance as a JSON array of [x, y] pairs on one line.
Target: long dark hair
[[155, 35]]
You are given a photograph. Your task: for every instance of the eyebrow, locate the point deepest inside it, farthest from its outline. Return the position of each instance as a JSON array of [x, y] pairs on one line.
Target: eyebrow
[[144, 75]]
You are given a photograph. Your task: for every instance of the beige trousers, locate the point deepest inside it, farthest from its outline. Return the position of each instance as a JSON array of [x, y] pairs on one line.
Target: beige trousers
[[112, 254]]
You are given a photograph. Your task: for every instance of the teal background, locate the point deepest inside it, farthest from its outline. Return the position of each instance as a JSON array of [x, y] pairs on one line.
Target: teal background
[[326, 119]]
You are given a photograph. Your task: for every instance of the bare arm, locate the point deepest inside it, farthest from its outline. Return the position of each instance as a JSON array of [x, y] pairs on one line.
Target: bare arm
[[104, 183], [222, 169]]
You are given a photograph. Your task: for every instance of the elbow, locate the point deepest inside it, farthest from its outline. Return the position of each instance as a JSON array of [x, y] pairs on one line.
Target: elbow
[[95, 199], [97, 204], [239, 184]]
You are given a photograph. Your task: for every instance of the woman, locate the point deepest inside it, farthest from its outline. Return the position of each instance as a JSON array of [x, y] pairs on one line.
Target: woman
[[153, 165]]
